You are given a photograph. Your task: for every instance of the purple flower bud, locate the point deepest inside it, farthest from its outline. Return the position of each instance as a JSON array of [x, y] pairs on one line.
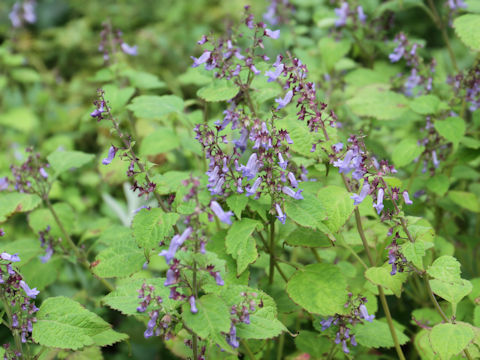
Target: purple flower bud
[[353, 341], [222, 215], [193, 306], [15, 321], [10, 269], [232, 337], [129, 50], [273, 75], [111, 155], [48, 254], [292, 179], [175, 243], [363, 193], [201, 60], [218, 279], [43, 173], [364, 313], [254, 69], [344, 347], [272, 34], [31, 293], [8, 257], [296, 195], [397, 53], [361, 15], [394, 269], [281, 216], [171, 278], [326, 323], [285, 101], [283, 164], [253, 166], [435, 159], [344, 165], [3, 183], [406, 198], [2, 232], [342, 14], [253, 189], [142, 307], [379, 205], [203, 40]]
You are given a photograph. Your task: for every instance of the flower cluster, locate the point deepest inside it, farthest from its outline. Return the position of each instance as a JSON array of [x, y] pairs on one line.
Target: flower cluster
[[19, 296], [345, 323], [434, 150], [344, 12], [111, 40], [23, 12], [467, 87], [47, 242], [278, 12]]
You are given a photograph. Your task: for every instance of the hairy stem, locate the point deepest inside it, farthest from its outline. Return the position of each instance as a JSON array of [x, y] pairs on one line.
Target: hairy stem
[[272, 251]]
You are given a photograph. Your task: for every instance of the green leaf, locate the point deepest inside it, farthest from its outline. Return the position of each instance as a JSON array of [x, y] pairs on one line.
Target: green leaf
[[117, 98], [124, 258], [19, 118], [260, 327], [213, 316], [452, 128], [336, 206], [425, 104], [319, 289], [154, 107], [466, 27], [414, 252], [160, 141], [332, 50], [312, 343], [439, 184], [62, 161], [144, 80], [448, 340], [376, 334], [64, 323], [12, 203], [237, 203], [377, 102], [218, 90], [307, 213], [40, 218], [453, 292], [150, 227], [465, 199], [405, 152], [307, 238], [241, 244], [381, 276], [445, 268], [89, 353]]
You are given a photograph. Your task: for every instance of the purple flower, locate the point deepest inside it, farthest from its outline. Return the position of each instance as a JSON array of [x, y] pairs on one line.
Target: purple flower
[[272, 34], [296, 195], [201, 60], [326, 323], [253, 189], [361, 15], [218, 279], [129, 50], [281, 216], [171, 278], [456, 4], [283, 164], [379, 205], [344, 347], [344, 165], [43, 173], [3, 183], [412, 81], [253, 166], [292, 179], [397, 53], [48, 254], [222, 215], [175, 243], [406, 198], [342, 14], [151, 325], [8, 257], [435, 159], [357, 199], [364, 313], [232, 337], [98, 111], [255, 70], [136, 211], [193, 306], [31, 293], [15, 321], [285, 101], [273, 75], [2, 232], [353, 341], [337, 147], [111, 155]]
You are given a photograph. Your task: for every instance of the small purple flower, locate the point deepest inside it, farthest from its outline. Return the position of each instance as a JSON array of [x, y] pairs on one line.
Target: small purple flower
[[2, 232], [292, 179], [456, 4], [281, 216], [193, 306], [129, 50], [406, 198], [31, 293], [344, 346], [344, 165], [357, 199], [201, 60], [361, 15], [282, 163], [97, 113], [353, 341], [136, 211], [253, 189], [3, 183], [43, 173], [218, 279], [8, 257], [364, 313], [285, 101], [232, 337], [222, 215], [203, 40], [326, 323], [342, 14], [273, 75], [337, 147], [48, 254], [397, 53], [296, 195], [171, 278], [435, 159], [255, 70], [15, 321], [379, 205], [111, 155], [272, 34], [253, 166], [175, 243]]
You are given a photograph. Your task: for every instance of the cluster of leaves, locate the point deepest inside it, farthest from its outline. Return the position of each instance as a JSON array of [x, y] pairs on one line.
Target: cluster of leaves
[[294, 180]]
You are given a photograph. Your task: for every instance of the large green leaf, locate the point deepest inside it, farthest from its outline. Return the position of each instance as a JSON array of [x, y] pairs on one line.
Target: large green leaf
[[319, 289], [161, 140], [381, 276], [439, 184], [452, 128], [466, 27], [445, 268], [448, 340], [150, 227], [414, 252], [62, 161], [308, 213], [453, 292], [465, 199], [218, 90], [425, 104], [308, 238], [64, 323], [376, 334], [11, 203], [405, 152], [117, 97], [336, 206], [241, 244], [154, 107]]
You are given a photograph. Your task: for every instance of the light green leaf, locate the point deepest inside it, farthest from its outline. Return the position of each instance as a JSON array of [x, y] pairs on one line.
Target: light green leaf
[[414, 252], [144, 80], [307, 213], [445, 268], [117, 98], [260, 328], [313, 344], [405, 152], [19, 118], [241, 244], [218, 90], [160, 141], [465, 199], [64, 323], [154, 107], [452, 128], [11, 203], [332, 50], [319, 289], [213, 316], [308, 238], [336, 206], [448, 340], [150, 227], [40, 218], [237, 203], [381, 276], [439, 184], [425, 104], [466, 27], [453, 292], [376, 334], [90, 353], [62, 161]]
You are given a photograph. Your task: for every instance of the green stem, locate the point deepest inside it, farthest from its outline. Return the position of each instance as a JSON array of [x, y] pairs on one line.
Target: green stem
[[248, 351], [267, 248], [272, 250], [315, 253], [281, 344], [15, 332]]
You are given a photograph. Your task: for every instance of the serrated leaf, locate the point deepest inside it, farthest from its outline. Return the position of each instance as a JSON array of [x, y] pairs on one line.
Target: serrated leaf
[[62, 161], [11, 203], [381, 276], [154, 107], [414, 252], [453, 292], [213, 316], [241, 244], [466, 27], [319, 289], [452, 128], [405, 152], [445, 268], [218, 90], [465, 199], [64, 323], [307, 213], [150, 227], [376, 334], [260, 328], [336, 207], [237, 203], [448, 340]]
